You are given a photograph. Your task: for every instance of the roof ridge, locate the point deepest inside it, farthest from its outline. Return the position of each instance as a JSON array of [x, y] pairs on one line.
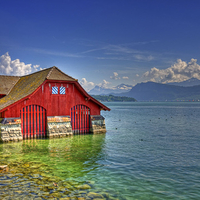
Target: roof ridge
[[10, 76], [13, 85], [36, 72], [50, 72], [54, 67]]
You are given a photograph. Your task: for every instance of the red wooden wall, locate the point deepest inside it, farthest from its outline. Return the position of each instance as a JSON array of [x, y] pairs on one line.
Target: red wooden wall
[[80, 119], [55, 104], [33, 121]]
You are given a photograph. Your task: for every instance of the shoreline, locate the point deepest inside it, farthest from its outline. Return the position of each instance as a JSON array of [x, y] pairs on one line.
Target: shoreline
[[36, 180]]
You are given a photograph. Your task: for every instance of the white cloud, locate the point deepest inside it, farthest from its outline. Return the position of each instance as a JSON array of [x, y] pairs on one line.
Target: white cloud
[[143, 57], [15, 67], [115, 76], [123, 87], [86, 85], [125, 77], [137, 75], [178, 72], [104, 84], [36, 67]]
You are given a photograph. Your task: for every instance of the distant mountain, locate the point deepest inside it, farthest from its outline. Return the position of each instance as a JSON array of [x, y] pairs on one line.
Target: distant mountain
[[152, 91], [111, 98], [187, 83], [99, 90]]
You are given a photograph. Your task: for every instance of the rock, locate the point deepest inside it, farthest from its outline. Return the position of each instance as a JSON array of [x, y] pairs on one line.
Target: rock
[[45, 189], [98, 199], [82, 192], [32, 167], [84, 187], [3, 166], [26, 165], [81, 198], [91, 182], [95, 195], [106, 195], [56, 194], [18, 191]]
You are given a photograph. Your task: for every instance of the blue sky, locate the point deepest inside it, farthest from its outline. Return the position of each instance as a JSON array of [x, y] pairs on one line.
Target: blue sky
[[102, 42]]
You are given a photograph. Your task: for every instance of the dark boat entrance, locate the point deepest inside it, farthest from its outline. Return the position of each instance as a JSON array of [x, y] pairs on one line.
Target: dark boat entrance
[[33, 121], [80, 119]]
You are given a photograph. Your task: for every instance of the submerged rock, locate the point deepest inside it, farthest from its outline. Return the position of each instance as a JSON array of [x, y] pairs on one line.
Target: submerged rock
[[81, 198], [84, 187], [32, 180], [3, 166], [106, 195], [94, 195]]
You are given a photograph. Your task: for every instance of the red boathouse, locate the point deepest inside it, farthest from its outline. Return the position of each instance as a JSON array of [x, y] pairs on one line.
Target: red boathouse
[[48, 103]]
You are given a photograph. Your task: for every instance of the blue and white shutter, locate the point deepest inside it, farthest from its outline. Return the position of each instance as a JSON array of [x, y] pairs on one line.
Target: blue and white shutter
[[55, 90], [62, 90]]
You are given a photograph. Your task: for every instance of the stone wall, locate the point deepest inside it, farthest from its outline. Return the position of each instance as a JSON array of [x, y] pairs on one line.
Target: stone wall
[[98, 124], [59, 126], [10, 129]]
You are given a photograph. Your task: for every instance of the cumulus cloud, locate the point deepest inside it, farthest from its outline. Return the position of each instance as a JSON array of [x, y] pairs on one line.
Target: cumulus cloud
[[15, 67], [36, 67], [104, 84], [125, 77], [86, 85], [115, 76], [178, 72]]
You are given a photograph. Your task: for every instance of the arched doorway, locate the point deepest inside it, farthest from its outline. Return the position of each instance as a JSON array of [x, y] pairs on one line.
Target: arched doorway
[[80, 119], [33, 121]]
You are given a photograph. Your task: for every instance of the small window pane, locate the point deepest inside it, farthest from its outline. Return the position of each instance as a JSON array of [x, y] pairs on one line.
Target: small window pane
[[54, 90], [62, 90]]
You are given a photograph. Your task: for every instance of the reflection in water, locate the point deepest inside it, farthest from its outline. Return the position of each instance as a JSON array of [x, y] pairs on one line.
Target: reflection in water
[[59, 167], [69, 157]]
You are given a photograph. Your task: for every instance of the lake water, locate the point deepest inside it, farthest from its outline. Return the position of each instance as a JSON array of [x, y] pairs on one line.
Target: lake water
[[150, 151]]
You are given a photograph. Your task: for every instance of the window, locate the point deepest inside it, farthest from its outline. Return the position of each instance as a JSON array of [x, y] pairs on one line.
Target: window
[[55, 90], [62, 90]]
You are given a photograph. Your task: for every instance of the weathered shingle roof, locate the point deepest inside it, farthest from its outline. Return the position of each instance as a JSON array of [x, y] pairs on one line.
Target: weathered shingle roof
[[20, 87], [7, 83], [26, 85], [56, 74]]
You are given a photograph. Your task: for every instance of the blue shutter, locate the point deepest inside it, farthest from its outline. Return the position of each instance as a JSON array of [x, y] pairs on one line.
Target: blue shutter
[[55, 90], [62, 90]]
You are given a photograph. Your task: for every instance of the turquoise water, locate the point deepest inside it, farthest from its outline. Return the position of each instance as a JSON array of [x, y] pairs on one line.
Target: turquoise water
[[150, 151], [155, 150]]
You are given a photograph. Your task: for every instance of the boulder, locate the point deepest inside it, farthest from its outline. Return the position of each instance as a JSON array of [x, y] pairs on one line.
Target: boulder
[[94, 195]]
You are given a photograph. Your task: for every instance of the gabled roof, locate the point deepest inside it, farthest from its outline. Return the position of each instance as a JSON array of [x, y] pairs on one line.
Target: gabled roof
[[26, 85], [20, 87], [57, 74], [102, 106], [7, 83]]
